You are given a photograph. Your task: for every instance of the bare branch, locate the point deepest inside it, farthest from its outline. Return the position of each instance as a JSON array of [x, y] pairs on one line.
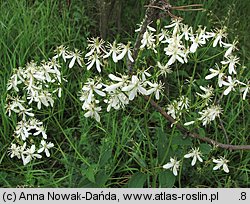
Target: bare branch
[[187, 133]]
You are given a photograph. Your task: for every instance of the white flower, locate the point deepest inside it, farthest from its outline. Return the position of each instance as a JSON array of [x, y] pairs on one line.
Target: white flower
[[34, 123], [183, 102], [163, 36], [121, 81], [30, 154], [148, 40], [176, 24], [61, 51], [76, 56], [22, 130], [116, 100], [230, 47], [135, 86], [197, 40], [93, 111], [215, 73], [25, 112], [221, 162], [14, 151], [15, 105], [231, 61], [176, 50], [45, 147], [208, 93], [114, 50], [231, 83], [245, 90], [125, 49], [164, 69], [95, 45], [143, 74], [13, 83], [94, 59], [41, 130], [156, 88], [209, 114], [173, 165], [148, 27], [44, 98], [196, 154], [90, 87], [186, 31], [220, 33], [173, 109]]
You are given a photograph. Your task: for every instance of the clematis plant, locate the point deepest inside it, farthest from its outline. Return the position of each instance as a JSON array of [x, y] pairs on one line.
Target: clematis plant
[[173, 45]]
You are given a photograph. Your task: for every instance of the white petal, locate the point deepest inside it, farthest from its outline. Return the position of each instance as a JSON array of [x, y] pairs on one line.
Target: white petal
[[120, 56], [172, 60], [227, 91], [194, 161], [98, 66], [216, 167], [188, 155], [115, 78], [225, 168], [168, 166], [90, 64], [193, 47], [72, 62], [175, 171]]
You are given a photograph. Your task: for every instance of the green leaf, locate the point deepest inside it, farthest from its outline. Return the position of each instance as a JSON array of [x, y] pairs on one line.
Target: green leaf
[[137, 180], [101, 179], [90, 174], [202, 132], [205, 148], [104, 157], [180, 140], [166, 179]]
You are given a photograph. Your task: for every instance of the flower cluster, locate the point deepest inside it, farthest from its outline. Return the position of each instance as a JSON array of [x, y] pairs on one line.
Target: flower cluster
[[116, 93], [36, 84], [195, 154]]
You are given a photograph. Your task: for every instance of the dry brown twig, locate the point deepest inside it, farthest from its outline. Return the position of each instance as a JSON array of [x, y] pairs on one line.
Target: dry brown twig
[[150, 13]]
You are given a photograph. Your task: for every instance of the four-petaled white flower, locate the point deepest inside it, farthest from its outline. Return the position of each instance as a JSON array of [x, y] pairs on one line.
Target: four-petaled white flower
[[215, 73], [231, 83], [196, 154], [135, 86], [173, 165], [94, 59], [45, 147], [164, 69], [121, 81], [221, 162], [231, 62], [30, 154], [209, 114], [61, 51], [155, 88], [148, 41], [125, 49], [76, 56], [93, 111], [14, 151]]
